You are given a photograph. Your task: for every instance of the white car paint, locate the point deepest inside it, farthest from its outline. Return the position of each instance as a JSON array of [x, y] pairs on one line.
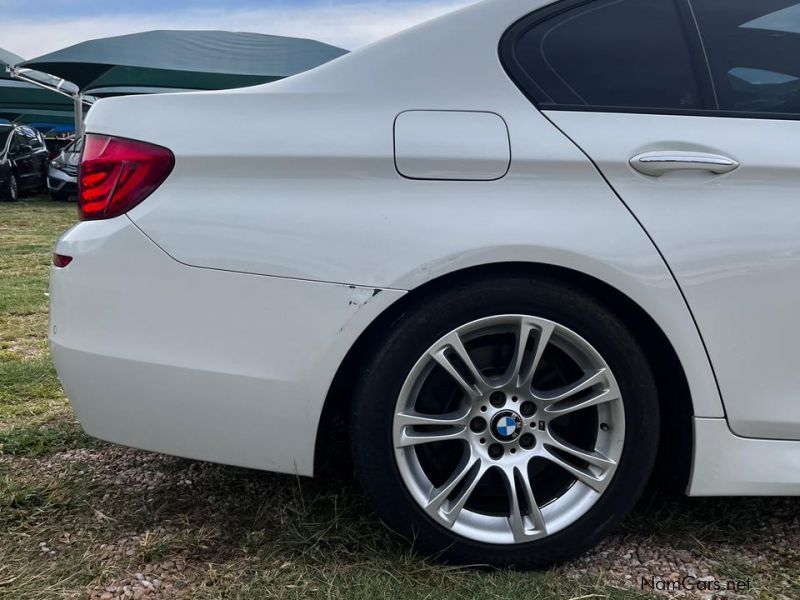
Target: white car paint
[[731, 240], [210, 320], [728, 465], [201, 363]]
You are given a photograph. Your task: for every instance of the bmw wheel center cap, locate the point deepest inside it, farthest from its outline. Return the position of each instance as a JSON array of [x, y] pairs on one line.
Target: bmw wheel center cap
[[506, 426]]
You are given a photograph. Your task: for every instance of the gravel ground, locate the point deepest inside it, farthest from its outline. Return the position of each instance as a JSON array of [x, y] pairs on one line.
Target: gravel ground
[[186, 511]]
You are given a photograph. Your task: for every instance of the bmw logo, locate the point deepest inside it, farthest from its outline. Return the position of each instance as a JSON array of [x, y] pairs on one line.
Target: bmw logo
[[506, 425]]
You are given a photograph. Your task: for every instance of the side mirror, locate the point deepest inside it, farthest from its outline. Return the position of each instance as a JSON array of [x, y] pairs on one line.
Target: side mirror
[[24, 148]]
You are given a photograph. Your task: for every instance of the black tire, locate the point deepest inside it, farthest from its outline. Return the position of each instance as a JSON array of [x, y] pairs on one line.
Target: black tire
[[59, 196], [413, 332], [11, 192]]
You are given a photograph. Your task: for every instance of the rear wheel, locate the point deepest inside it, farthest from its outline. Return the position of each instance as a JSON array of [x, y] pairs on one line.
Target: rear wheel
[[510, 422]]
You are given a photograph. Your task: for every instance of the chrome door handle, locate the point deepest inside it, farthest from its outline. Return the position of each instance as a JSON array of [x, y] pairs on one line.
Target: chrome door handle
[[657, 164]]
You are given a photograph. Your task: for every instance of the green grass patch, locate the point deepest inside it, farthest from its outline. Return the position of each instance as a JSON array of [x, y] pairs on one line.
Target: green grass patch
[[44, 439], [30, 392], [23, 380], [28, 232], [22, 294], [18, 496]]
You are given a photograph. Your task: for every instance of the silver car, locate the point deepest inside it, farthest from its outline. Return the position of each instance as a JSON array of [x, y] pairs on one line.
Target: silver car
[[62, 176]]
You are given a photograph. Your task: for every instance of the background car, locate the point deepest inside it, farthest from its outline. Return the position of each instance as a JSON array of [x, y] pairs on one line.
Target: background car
[[532, 254], [62, 175], [56, 143], [23, 161]]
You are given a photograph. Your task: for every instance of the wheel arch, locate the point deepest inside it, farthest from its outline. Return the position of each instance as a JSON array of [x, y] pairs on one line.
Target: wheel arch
[[673, 465]]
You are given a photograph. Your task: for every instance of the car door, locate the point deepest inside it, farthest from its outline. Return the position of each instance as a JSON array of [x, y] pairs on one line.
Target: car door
[[22, 155], [38, 155], [690, 108]]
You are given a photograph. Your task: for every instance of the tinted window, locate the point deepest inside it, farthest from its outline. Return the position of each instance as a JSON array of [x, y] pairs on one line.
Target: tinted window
[[31, 138], [18, 140], [753, 50], [610, 54], [4, 133]]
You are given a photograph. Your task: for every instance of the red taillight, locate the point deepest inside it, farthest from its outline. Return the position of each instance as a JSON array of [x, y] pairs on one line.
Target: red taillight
[[116, 174], [61, 260]]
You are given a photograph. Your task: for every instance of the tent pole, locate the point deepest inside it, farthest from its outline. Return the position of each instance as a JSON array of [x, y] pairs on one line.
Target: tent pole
[[78, 114]]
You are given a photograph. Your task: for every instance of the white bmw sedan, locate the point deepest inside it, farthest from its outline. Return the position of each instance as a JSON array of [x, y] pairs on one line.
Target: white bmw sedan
[[531, 254]]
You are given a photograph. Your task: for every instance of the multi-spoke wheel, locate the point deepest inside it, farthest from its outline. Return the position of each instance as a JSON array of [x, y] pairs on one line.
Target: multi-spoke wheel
[[506, 423], [524, 395]]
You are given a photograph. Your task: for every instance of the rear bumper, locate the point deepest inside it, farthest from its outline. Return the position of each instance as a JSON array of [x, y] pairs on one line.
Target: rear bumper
[[212, 365]]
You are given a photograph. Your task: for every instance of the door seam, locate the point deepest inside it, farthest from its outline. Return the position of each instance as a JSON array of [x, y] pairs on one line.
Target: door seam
[[663, 259]]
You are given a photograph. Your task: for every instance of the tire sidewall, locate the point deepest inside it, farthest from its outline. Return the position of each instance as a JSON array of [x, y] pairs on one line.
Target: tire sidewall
[[12, 193], [413, 333]]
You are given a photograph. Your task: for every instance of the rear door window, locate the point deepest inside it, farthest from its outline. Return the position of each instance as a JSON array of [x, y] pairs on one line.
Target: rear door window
[[753, 51]]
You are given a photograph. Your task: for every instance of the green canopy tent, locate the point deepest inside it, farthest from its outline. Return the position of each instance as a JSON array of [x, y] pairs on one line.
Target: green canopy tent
[[182, 60], [23, 102], [8, 59]]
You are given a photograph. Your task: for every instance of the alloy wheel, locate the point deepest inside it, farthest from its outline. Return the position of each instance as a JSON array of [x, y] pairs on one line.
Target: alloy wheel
[[508, 429]]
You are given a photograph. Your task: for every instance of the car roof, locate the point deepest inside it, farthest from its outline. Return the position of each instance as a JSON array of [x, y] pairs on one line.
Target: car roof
[[14, 126]]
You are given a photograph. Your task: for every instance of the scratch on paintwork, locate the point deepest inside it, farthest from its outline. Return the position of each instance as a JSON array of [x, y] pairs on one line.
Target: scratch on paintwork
[[360, 296]]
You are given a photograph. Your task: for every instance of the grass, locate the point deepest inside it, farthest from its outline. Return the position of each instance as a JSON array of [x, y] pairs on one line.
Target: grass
[[32, 404], [43, 440], [78, 515]]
